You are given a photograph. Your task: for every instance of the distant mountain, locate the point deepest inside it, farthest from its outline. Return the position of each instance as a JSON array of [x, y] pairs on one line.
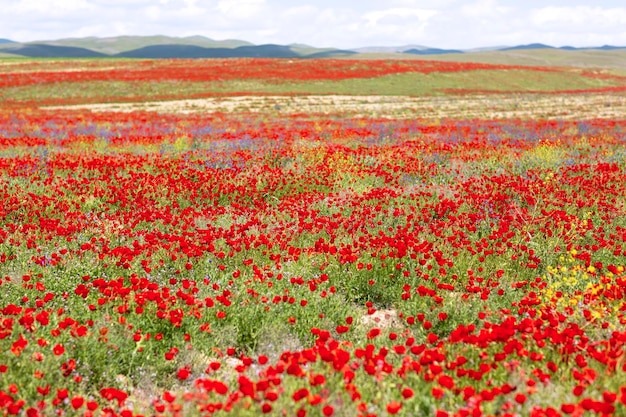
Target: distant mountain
[[608, 47], [255, 51], [162, 47], [485, 49], [51, 51], [309, 51], [529, 46], [564, 48], [119, 44], [433, 51], [203, 47], [191, 51], [329, 53], [387, 49], [426, 50]]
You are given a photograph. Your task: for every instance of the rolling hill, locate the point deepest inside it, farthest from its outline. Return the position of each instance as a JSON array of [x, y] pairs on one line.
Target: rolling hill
[[120, 44], [192, 51], [432, 51], [161, 47], [50, 51], [203, 47]]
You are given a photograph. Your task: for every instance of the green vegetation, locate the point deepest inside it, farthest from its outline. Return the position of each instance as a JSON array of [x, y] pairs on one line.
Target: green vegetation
[[409, 84], [543, 57]]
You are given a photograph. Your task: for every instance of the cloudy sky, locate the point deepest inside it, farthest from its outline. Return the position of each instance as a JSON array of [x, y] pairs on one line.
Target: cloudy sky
[[338, 23]]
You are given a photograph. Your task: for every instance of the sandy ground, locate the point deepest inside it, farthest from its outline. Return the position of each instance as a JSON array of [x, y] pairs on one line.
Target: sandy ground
[[564, 106]]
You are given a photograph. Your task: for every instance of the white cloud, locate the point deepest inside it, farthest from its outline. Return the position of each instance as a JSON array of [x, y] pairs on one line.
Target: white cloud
[[579, 16], [153, 12], [300, 11], [344, 24], [484, 9], [421, 4], [393, 26], [373, 18], [123, 3], [51, 8], [240, 9]]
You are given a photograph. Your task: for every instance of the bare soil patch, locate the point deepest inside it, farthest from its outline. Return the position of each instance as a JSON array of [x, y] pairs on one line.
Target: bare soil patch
[[496, 106]]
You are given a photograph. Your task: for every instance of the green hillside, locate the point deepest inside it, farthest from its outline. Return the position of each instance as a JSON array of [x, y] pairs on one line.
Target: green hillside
[[533, 57], [118, 44]]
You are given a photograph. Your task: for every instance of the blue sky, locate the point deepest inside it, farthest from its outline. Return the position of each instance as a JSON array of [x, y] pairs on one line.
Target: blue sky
[[344, 24]]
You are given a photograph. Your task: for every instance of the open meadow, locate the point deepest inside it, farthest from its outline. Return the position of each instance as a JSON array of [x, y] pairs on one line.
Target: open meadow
[[336, 237]]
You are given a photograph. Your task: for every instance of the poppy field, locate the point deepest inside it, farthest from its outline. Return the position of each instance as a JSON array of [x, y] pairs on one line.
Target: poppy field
[[260, 260]]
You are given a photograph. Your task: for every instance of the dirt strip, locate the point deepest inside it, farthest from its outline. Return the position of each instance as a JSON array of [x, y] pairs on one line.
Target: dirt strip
[[563, 106]]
